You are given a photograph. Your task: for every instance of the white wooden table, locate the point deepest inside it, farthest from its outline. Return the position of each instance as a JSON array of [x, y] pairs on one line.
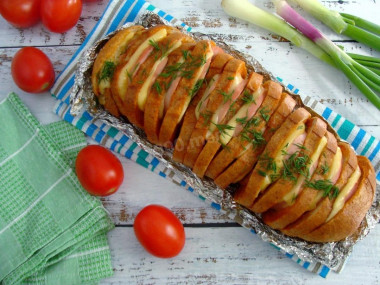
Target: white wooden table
[[217, 250]]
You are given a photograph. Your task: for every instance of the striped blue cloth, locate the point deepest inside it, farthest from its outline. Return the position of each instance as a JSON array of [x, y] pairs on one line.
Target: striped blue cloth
[[116, 14]]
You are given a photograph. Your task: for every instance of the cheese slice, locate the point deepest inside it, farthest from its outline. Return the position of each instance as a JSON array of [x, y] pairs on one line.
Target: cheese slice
[[341, 199], [106, 83], [200, 74], [289, 198], [241, 114], [143, 94], [333, 172], [128, 69], [280, 155], [203, 102], [215, 117]]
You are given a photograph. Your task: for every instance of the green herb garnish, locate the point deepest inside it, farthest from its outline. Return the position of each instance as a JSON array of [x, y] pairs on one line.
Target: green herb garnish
[[158, 88], [262, 173], [226, 96], [324, 169], [196, 88], [107, 71], [154, 44], [222, 128], [248, 98], [329, 190], [264, 114]]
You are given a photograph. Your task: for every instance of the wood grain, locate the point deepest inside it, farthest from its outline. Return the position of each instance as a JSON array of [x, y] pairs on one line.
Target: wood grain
[[217, 251], [229, 255]]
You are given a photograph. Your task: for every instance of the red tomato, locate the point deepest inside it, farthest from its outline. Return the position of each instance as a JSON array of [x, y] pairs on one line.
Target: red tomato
[[60, 16], [21, 13], [99, 171], [32, 70], [159, 231]]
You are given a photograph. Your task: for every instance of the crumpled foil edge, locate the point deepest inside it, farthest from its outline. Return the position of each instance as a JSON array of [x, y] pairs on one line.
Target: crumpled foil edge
[[82, 98]]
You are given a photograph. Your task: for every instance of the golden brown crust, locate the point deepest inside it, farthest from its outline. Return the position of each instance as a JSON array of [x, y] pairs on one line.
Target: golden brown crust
[[130, 64], [244, 164], [110, 53], [213, 142], [317, 216], [280, 218], [154, 108], [233, 68], [245, 151], [122, 77], [236, 145], [190, 119], [275, 194], [248, 194], [182, 95], [348, 219], [134, 114]]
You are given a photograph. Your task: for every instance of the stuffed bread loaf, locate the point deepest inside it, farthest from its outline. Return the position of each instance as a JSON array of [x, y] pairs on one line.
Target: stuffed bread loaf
[[235, 127]]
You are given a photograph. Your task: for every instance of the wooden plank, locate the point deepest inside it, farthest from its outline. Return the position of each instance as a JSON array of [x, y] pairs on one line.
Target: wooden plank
[[205, 16], [39, 36], [313, 77], [230, 255], [141, 187]]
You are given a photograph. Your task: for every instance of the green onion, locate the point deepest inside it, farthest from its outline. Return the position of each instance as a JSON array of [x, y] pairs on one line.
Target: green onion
[[244, 10], [367, 81], [354, 27]]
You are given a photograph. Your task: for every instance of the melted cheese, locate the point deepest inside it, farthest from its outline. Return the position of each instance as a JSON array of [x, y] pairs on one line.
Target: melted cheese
[[209, 89], [341, 199], [106, 83], [333, 172], [103, 85], [215, 117], [289, 198], [197, 76], [279, 156], [241, 114], [143, 94], [128, 68], [336, 165]]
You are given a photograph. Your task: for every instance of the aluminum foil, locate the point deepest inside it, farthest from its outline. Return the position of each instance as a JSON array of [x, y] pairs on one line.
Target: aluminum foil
[[332, 254]]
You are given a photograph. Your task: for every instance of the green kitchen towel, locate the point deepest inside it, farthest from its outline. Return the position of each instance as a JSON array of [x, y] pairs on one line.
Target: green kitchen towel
[[51, 230]]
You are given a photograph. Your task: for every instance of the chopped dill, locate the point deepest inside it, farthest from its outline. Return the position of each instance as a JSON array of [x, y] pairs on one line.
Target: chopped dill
[[222, 128], [261, 173], [264, 114], [206, 116], [232, 108], [242, 121], [226, 96], [253, 122], [158, 88], [185, 54], [107, 71], [248, 98], [329, 190], [300, 146], [297, 163], [267, 163], [258, 138], [154, 44], [129, 75], [195, 88], [324, 169]]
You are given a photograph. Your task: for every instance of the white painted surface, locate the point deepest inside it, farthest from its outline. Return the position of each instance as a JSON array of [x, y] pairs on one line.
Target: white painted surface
[[216, 250]]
